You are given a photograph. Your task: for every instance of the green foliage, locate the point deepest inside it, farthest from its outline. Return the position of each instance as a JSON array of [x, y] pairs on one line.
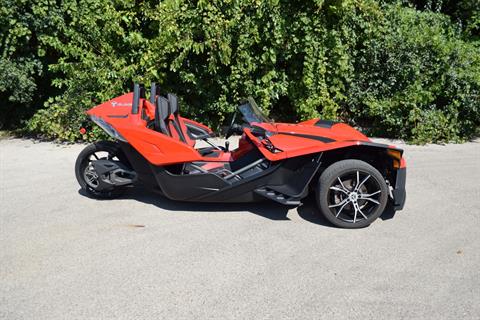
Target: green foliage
[[100, 51], [392, 69], [465, 12], [18, 66], [416, 79]]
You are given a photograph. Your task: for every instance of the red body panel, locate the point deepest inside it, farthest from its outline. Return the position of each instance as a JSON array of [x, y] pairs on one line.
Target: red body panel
[[296, 139], [294, 146], [292, 140], [338, 131]]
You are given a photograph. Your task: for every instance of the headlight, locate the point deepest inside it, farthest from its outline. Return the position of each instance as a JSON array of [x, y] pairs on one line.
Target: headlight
[[108, 128], [396, 155]]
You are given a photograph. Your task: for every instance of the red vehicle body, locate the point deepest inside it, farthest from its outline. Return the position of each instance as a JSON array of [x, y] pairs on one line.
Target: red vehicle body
[[277, 161]]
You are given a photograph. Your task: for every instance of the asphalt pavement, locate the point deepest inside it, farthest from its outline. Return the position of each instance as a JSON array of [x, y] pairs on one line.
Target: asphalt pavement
[[66, 256]]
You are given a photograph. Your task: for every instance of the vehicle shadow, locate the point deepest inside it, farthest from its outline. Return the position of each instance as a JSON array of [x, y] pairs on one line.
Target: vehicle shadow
[[267, 209], [309, 211], [389, 213]]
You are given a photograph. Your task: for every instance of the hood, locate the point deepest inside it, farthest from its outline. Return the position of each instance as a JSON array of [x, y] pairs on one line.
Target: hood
[[322, 130]]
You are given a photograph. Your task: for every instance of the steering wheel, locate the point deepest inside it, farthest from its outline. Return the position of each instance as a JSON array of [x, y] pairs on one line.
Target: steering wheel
[[231, 128]]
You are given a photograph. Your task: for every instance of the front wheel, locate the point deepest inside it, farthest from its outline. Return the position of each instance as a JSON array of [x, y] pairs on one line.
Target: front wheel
[[351, 194], [86, 174]]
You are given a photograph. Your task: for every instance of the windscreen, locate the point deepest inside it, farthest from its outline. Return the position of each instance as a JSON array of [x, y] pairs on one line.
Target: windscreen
[[252, 113]]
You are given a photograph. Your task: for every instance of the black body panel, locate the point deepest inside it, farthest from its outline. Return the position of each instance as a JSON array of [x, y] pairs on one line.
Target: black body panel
[[289, 177], [187, 187], [140, 165], [399, 192], [294, 176]]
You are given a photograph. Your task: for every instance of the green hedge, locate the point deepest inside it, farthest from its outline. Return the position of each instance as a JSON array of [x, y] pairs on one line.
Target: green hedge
[[396, 69]]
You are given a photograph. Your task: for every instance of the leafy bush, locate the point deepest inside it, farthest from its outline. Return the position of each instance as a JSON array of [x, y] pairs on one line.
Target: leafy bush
[[100, 51], [392, 69], [20, 66], [416, 79], [465, 12]]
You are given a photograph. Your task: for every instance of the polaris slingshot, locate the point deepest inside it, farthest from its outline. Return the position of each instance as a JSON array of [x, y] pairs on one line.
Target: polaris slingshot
[[353, 179]]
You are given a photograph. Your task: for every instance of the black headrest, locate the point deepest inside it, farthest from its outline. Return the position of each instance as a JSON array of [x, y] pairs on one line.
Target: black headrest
[[172, 100], [138, 92], [162, 106], [161, 115], [154, 92]]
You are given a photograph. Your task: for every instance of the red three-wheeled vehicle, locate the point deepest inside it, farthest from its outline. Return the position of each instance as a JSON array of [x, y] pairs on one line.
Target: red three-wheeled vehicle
[[353, 178]]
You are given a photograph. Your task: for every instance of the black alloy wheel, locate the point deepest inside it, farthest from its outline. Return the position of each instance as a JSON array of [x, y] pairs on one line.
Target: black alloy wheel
[[85, 172], [352, 194]]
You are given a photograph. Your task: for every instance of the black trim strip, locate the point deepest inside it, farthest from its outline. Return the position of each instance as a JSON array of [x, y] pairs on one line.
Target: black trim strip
[[307, 136], [117, 115]]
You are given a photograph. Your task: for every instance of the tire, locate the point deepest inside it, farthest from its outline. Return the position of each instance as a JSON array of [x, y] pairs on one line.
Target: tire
[[113, 149], [345, 199]]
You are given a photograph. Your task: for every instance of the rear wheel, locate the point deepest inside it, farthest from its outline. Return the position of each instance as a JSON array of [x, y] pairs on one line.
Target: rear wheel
[[85, 172], [351, 194]]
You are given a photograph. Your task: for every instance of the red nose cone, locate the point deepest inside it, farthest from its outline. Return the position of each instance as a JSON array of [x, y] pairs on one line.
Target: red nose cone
[[83, 130]]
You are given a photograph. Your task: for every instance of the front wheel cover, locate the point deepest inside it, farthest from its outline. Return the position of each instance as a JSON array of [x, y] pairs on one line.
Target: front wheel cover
[[351, 194]]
